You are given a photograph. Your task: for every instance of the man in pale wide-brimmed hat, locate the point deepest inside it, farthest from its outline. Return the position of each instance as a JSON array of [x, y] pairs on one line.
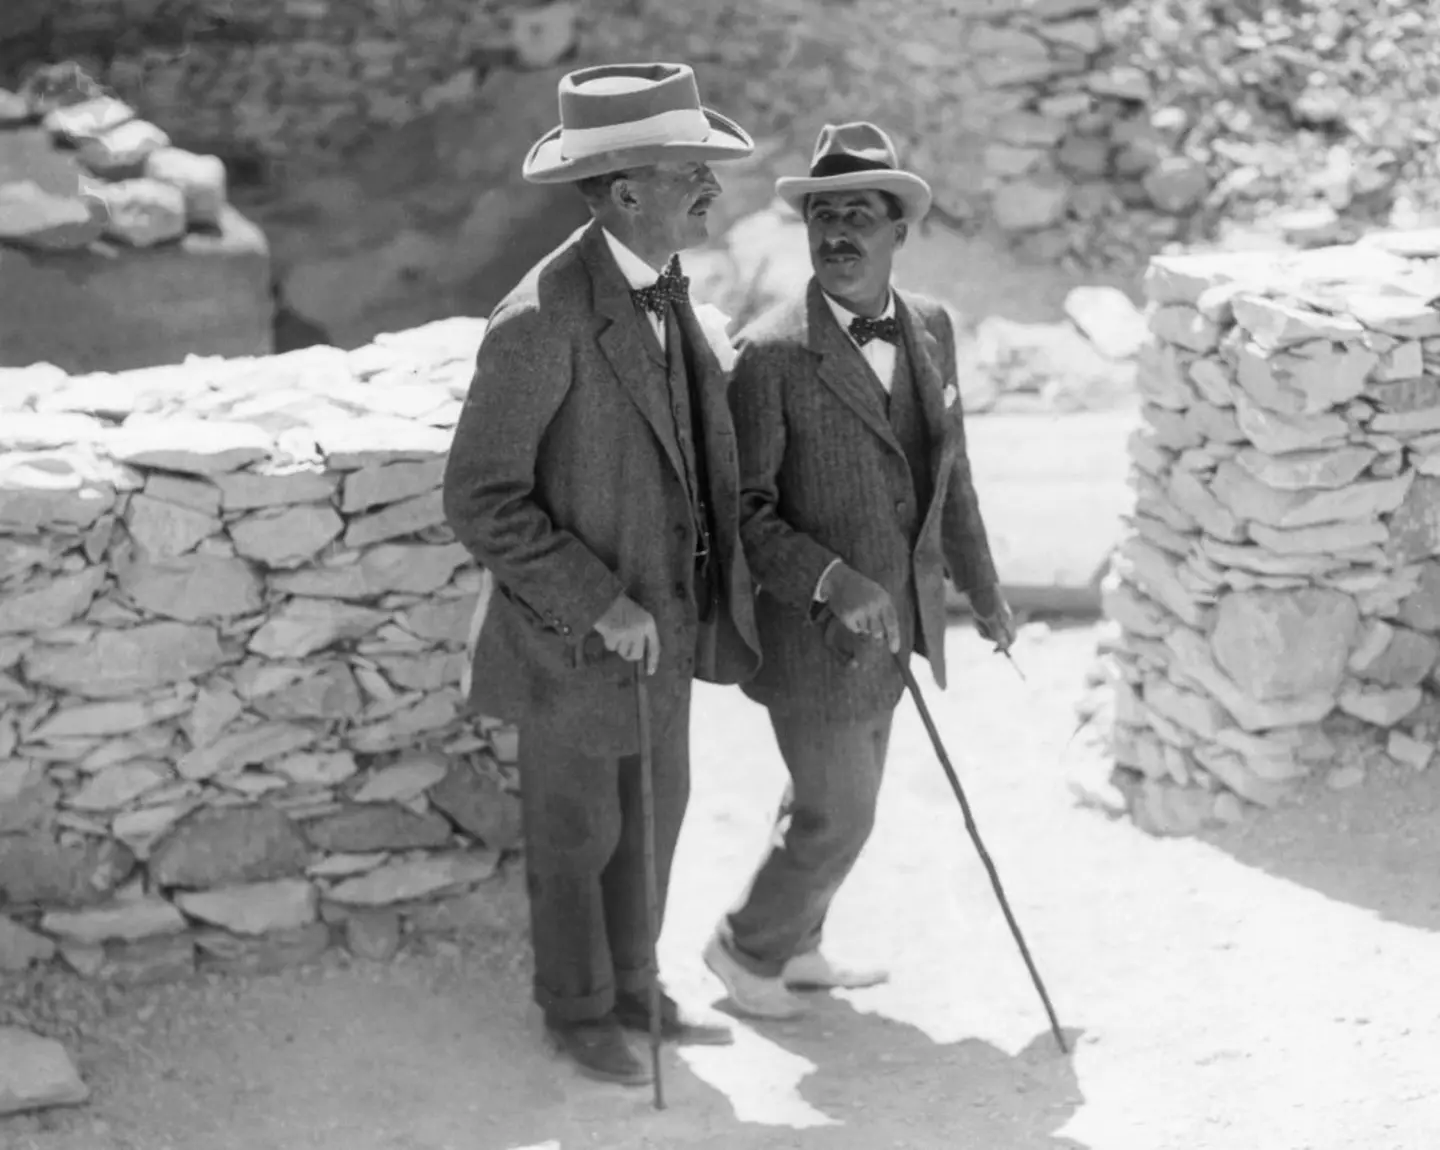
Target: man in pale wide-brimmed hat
[[856, 505], [593, 476]]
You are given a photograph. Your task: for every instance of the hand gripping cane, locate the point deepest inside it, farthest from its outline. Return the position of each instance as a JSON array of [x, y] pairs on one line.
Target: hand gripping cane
[[652, 896], [914, 688]]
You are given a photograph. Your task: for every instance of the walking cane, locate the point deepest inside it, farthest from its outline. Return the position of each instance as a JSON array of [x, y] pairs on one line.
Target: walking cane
[[652, 896], [914, 688]]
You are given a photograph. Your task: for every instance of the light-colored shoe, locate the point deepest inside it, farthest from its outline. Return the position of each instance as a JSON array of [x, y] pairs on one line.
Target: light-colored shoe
[[751, 994], [813, 971]]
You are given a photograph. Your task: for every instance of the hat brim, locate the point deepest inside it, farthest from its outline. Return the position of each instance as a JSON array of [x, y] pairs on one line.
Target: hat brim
[[545, 165], [913, 193]]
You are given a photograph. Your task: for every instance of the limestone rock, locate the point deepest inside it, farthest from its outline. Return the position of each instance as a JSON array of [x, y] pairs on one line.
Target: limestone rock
[[1421, 608], [191, 446], [303, 626], [275, 487], [36, 868], [124, 919], [54, 489], [1185, 326], [119, 153], [200, 180], [351, 444], [21, 948], [326, 692], [440, 621], [119, 663], [286, 538], [417, 878], [1276, 323], [143, 213], [163, 529], [192, 588], [542, 36], [36, 1073], [47, 605], [373, 935], [362, 829], [1031, 204], [398, 519], [248, 746], [116, 787], [1278, 434], [145, 962], [227, 846], [407, 779], [1412, 752], [317, 768], [475, 801], [1108, 319], [254, 908], [87, 119], [380, 484], [1382, 707], [1177, 184], [1415, 527], [407, 568], [1400, 658], [34, 218], [1299, 470], [1278, 645]]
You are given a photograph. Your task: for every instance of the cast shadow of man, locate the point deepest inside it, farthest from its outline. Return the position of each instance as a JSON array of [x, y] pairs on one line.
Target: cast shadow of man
[[887, 1083]]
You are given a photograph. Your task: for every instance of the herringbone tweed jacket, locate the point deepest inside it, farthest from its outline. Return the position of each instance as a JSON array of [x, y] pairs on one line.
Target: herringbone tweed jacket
[[823, 476], [565, 481]]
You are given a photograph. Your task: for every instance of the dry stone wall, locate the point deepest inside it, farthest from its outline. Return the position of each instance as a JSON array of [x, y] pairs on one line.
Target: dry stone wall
[[1277, 600], [232, 623]]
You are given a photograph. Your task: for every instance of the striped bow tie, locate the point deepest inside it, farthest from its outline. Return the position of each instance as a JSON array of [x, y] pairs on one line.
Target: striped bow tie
[[671, 288], [863, 330]]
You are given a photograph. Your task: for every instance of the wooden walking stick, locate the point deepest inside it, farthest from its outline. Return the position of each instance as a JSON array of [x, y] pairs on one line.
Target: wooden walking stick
[[914, 688], [652, 896]]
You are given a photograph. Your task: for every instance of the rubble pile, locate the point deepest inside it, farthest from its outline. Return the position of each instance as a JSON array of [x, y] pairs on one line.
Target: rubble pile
[[232, 628], [1277, 599]]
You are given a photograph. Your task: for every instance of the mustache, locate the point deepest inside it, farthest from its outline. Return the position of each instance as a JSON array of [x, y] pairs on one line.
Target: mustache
[[840, 248]]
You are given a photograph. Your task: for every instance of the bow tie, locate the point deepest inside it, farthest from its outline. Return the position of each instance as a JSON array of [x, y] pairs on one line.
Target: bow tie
[[671, 288], [863, 330]]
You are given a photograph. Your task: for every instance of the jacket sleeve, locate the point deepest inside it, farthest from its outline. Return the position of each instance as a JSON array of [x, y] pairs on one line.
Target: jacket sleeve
[[522, 375], [963, 537], [786, 562]]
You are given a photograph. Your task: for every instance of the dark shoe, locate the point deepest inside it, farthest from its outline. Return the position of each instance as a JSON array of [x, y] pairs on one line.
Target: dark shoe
[[633, 1013], [600, 1051]]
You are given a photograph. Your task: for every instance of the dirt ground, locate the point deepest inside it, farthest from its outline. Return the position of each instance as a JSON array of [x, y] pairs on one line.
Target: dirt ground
[[1274, 987]]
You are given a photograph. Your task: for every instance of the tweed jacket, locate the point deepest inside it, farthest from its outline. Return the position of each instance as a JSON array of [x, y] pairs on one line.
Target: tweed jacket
[[565, 481], [823, 476]]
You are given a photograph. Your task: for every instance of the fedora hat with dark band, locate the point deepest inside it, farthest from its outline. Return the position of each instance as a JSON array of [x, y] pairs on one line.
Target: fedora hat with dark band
[[619, 116], [857, 157]]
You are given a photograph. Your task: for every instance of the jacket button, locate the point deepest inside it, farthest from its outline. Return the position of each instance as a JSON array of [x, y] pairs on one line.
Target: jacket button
[[680, 590], [900, 506]]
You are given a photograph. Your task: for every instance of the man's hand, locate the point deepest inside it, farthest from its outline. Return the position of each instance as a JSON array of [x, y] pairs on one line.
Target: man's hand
[[993, 618], [862, 605], [629, 630]]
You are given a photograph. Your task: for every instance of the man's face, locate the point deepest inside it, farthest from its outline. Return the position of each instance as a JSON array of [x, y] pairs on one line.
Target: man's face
[[671, 203], [852, 243]]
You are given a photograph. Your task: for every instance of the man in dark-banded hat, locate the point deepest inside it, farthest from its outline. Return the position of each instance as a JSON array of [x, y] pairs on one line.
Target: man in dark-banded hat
[[593, 476], [856, 504]]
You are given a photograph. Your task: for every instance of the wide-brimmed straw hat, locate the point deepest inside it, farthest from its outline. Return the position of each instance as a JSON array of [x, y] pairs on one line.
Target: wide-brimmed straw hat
[[857, 157], [619, 116]]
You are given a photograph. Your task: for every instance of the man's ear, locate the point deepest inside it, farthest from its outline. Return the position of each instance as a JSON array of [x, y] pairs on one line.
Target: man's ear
[[622, 195], [902, 230]]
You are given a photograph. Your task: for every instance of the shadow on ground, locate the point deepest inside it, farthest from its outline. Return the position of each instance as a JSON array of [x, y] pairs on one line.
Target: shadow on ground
[[1375, 846]]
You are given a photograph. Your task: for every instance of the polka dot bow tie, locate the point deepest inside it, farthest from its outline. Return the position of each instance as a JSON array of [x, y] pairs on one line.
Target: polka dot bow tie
[[671, 288], [863, 330]]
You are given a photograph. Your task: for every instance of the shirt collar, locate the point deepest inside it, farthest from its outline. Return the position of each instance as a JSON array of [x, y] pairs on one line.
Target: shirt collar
[[844, 315], [636, 271]]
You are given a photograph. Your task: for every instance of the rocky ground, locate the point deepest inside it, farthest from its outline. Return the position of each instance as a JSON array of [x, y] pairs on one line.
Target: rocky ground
[[1270, 985]]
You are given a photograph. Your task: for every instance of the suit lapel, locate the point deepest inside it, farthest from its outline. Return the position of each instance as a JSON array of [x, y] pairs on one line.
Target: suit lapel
[[623, 343], [842, 368], [925, 360]]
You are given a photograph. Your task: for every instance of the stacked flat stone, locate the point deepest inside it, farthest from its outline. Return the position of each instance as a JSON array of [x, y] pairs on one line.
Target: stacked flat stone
[[232, 625], [135, 188], [1278, 598]]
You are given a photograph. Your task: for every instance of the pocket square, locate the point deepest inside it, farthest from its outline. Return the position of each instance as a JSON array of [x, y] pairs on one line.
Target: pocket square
[[950, 395]]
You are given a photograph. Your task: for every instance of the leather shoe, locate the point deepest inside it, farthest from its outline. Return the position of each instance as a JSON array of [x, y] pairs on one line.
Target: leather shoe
[[600, 1051], [633, 1012], [752, 995]]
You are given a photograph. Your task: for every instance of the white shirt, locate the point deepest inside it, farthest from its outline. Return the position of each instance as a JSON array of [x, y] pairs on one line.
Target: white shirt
[[638, 274], [879, 354]]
